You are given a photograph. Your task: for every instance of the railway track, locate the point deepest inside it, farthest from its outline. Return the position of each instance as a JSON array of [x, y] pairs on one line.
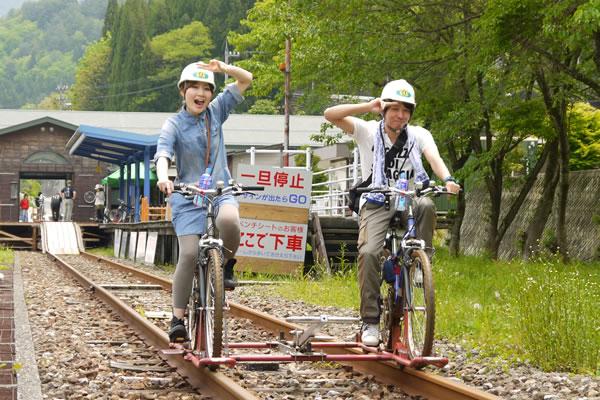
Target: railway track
[[142, 300]]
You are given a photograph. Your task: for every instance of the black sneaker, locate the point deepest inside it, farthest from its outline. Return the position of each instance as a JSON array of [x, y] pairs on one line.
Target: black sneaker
[[178, 333], [229, 281]]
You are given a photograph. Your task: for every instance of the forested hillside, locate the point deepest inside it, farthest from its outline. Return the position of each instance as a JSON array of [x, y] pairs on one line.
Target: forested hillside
[[7, 5], [145, 44], [40, 44]]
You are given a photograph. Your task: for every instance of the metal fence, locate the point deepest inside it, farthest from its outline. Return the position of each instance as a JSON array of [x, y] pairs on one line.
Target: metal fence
[[329, 197]]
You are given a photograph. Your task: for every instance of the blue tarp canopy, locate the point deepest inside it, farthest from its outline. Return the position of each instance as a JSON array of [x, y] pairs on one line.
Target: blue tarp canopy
[[121, 148], [110, 145]]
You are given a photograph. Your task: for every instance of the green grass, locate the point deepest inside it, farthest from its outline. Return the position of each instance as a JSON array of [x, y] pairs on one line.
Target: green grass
[[102, 251], [542, 312], [6, 257], [340, 290]]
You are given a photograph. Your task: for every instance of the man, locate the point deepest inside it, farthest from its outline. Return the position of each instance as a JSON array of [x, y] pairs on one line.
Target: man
[[39, 203], [68, 195], [55, 201], [387, 148]]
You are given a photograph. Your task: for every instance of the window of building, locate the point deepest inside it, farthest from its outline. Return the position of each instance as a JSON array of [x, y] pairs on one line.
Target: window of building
[[46, 157], [14, 190]]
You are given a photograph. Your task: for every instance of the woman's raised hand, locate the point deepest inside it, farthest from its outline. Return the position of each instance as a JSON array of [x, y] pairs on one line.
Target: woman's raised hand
[[214, 66]]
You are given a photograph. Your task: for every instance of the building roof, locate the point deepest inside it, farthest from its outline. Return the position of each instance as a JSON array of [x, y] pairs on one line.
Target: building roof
[[241, 130], [111, 145]]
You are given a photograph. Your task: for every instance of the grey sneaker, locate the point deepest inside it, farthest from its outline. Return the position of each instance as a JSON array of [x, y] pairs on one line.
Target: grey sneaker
[[370, 334]]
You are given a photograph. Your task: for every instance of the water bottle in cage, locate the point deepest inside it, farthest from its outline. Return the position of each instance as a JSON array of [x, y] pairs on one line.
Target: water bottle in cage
[[401, 184], [205, 183]]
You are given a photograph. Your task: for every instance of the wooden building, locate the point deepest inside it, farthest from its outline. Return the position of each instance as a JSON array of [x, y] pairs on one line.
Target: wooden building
[[36, 150]]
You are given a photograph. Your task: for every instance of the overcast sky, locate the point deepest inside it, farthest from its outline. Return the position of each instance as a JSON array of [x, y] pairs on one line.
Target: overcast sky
[[6, 5]]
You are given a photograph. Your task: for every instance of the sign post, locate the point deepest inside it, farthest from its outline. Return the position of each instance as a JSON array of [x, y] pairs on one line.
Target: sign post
[[274, 223]]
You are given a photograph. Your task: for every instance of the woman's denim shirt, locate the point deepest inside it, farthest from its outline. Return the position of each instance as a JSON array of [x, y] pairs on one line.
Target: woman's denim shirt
[[184, 136]]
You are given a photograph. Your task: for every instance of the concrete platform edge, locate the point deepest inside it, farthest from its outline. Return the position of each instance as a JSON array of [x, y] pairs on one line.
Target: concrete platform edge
[[28, 379]]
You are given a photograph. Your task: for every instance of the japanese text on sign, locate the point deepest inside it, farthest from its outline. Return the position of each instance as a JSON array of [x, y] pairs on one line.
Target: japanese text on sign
[[290, 188], [271, 239]]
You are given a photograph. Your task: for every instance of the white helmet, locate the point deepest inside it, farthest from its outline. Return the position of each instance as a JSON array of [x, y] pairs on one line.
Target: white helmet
[[399, 90], [193, 72], [98, 187]]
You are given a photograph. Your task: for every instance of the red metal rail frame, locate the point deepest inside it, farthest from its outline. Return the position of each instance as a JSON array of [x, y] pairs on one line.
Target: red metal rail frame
[[370, 354]]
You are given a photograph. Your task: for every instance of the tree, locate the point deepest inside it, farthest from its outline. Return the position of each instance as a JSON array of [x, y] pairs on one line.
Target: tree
[[172, 51], [91, 77], [39, 47], [467, 87], [558, 33], [584, 137], [110, 17], [130, 47], [263, 106]]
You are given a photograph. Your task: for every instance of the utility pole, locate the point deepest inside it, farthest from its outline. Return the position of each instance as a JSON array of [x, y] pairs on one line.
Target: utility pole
[[227, 54], [286, 106], [226, 57], [63, 101]]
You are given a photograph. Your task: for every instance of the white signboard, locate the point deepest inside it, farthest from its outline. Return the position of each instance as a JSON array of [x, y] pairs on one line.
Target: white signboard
[[124, 242], [117, 242], [141, 246], [283, 187], [274, 240], [132, 244], [151, 247]]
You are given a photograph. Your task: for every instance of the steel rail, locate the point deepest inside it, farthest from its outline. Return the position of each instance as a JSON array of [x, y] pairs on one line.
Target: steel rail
[[413, 382], [210, 382]]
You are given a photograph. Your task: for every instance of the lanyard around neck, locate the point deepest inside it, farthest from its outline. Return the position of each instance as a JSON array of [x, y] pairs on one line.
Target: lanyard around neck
[[207, 156]]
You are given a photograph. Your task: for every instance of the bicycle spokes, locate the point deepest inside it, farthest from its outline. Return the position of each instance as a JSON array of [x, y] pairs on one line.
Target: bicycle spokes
[[420, 307]]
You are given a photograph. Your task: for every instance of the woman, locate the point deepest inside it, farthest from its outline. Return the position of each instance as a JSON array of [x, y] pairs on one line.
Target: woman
[[24, 206], [99, 203], [195, 137]]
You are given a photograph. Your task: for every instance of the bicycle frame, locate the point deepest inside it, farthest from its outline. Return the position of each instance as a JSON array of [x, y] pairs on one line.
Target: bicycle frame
[[401, 250], [303, 346]]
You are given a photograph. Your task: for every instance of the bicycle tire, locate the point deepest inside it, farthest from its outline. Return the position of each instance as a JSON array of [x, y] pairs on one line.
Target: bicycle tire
[[89, 197], [114, 216], [214, 300], [391, 319], [195, 315], [420, 306]]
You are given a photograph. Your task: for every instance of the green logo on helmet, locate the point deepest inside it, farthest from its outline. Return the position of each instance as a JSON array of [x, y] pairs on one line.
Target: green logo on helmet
[[403, 93], [200, 74]]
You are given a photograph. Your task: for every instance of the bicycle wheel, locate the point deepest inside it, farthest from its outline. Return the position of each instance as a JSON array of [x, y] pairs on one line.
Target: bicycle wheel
[[195, 314], [391, 319], [114, 216], [214, 304], [420, 306], [89, 197]]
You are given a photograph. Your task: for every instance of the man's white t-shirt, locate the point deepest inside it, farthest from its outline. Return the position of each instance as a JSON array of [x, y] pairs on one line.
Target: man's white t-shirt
[[364, 135]]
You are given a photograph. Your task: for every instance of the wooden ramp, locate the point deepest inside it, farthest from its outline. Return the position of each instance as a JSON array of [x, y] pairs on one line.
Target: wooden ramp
[[61, 238]]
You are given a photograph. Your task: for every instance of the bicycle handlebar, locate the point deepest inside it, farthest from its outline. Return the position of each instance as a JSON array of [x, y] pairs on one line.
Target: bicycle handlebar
[[188, 189], [387, 191]]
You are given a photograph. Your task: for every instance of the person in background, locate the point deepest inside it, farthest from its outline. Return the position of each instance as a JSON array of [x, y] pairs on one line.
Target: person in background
[[68, 195], [55, 206], [39, 203], [194, 137], [24, 209], [389, 148], [99, 203]]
